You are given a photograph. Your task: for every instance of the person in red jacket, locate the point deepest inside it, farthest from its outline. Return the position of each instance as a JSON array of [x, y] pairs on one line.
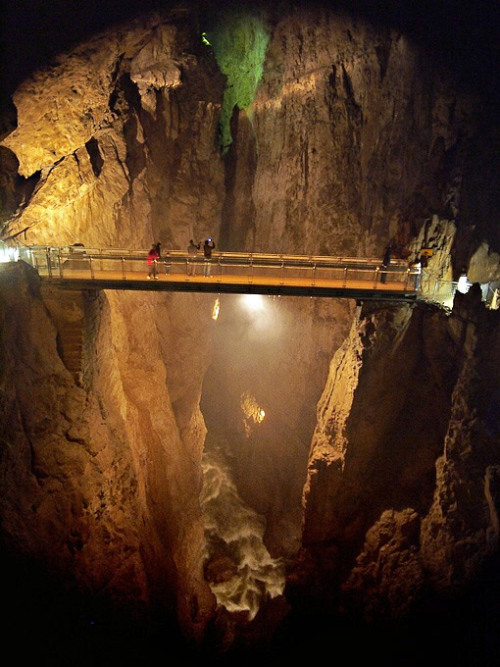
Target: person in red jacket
[[152, 258]]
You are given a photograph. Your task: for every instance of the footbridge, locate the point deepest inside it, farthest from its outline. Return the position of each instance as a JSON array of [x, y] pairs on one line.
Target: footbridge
[[82, 268]]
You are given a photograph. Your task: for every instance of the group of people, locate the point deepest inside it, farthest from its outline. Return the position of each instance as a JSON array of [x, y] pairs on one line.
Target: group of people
[[154, 256], [194, 248]]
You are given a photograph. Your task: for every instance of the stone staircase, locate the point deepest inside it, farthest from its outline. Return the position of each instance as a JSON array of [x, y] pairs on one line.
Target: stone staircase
[[67, 308], [70, 343]]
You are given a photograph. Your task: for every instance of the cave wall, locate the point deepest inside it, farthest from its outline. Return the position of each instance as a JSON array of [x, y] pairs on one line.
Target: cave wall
[[117, 157], [355, 125], [355, 136], [118, 140], [401, 497], [99, 485]]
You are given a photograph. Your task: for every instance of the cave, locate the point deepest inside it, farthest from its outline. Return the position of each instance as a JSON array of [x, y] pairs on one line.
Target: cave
[[230, 478]]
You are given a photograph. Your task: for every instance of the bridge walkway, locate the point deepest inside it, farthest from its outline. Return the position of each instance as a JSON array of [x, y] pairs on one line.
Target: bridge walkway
[[77, 267]]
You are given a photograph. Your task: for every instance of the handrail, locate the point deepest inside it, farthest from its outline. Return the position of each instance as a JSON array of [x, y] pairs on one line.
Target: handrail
[[299, 272], [254, 269], [222, 257]]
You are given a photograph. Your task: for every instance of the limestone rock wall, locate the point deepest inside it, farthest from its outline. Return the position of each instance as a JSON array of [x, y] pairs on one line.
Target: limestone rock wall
[[118, 132], [116, 135], [401, 492], [99, 485], [355, 127]]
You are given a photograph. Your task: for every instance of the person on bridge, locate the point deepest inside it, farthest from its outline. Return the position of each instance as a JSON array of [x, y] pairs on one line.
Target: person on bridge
[[192, 251], [416, 271], [208, 246], [152, 258], [385, 264]]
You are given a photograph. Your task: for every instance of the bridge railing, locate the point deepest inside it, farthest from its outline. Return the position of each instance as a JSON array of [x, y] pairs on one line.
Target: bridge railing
[[90, 263]]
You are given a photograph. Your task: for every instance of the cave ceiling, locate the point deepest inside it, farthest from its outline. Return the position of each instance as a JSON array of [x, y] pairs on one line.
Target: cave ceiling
[[463, 32]]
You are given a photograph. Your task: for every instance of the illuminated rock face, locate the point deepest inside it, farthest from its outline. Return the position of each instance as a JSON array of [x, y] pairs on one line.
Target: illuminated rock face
[[403, 474], [100, 485], [353, 139]]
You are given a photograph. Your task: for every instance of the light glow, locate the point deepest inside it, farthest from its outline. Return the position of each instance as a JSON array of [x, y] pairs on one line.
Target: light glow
[[216, 309], [495, 300], [8, 254], [239, 41], [254, 302], [253, 414], [463, 284]]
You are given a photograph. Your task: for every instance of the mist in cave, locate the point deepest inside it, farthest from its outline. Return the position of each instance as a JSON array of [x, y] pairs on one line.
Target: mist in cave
[[258, 401], [238, 566]]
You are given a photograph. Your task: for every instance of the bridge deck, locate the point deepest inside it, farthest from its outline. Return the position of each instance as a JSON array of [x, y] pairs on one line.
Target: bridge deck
[[258, 273], [236, 284]]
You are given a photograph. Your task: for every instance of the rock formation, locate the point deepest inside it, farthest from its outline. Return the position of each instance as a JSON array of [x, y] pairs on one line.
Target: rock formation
[[374, 474]]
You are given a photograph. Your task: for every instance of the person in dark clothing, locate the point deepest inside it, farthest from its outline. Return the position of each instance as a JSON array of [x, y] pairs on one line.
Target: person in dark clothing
[[208, 246], [192, 251], [385, 264], [416, 272]]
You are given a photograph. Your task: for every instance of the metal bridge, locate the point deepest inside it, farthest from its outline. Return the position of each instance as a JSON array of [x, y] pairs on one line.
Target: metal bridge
[[82, 268]]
